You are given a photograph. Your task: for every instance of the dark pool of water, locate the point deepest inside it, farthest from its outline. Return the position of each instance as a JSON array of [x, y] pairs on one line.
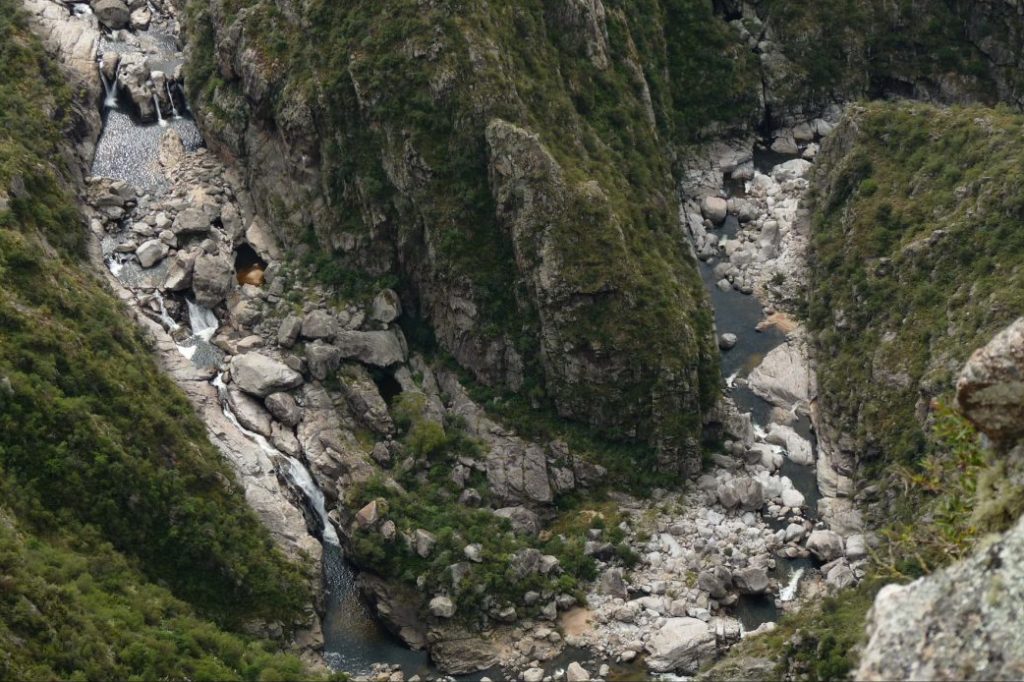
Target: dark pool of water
[[353, 639], [129, 151]]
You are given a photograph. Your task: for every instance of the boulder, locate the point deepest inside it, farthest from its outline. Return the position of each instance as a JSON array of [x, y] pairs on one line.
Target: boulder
[[784, 377], [386, 307], [213, 277], [323, 359], [441, 607], [319, 324], [791, 497], [368, 516], [750, 493], [284, 408], [288, 332], [249, 413], [114, 14], [576, 673], [990, 388], [751, 580], [260, 375], [825, 544], [464, 655], [151, 252], [140, 19], [474, 552], [524, 521], [681, 645], [423, 542], [365, 401], [727, 341], [380, 348], [179, 274], [612, 583], [191, 221], [715, 581], [714, 208], [263, 241]]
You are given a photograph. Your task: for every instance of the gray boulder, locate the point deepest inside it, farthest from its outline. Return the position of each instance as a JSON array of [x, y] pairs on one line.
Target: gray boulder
[[113, 14], [524, 521], [423, 542], [714, 208], [179, 274], [381, 349], [213, 277], [386, 307], [319, 324], [249, 412], [990, 389], [715, 581], [191, 221], [681, 645], [442, 607], [259, 375], [825, 544], [151, 252], [323, 359], [751, 580], [288, 332], [284, 408]]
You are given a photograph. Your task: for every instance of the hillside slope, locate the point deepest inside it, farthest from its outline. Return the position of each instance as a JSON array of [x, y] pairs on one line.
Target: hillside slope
[[126, 548]]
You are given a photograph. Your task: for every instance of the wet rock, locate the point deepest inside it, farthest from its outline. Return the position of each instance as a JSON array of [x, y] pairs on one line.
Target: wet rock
[[152, 252], [113, 14], [681, 645], [825, 544], [727, 341], [990, 388], [441, 607], [524, 521], [319, 324], [249, 412], [284, 408], [260, 375], [213, 277], [381, 348], [386, 307]]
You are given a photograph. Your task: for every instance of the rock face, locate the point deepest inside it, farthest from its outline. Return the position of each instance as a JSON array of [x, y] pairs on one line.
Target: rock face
[[990, 389], [213, 276], [959, 623], [381, 349], [681, 645], [260, 375]]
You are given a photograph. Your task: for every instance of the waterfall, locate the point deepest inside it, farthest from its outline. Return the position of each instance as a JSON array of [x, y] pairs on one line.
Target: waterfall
[[110, 87], [203, 321], [788, 593], [168, 321], [174, 107], [296, 472], [159, 116]]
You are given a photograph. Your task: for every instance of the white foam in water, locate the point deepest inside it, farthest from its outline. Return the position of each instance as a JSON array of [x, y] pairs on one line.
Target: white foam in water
[[203, 321], [297, 471], [788, 593], [168, 321], [731, 379], [159, 116], [115, 266]]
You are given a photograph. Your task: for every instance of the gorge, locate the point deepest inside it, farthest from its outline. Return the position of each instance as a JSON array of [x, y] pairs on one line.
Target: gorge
[[575, 339]]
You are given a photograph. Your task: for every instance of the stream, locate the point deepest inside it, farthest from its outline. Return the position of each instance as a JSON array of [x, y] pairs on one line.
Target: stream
[[128, 150]]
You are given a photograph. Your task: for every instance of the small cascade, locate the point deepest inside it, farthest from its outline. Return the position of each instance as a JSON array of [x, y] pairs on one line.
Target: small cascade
[[165, 318], [297, 471], [159, 116], [203, 321], [170, 97], [109, 87], [788, 593]]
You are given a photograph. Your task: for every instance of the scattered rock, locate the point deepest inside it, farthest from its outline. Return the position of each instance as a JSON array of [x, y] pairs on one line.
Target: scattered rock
[[284, 408], [152, 252], [714, 209], [381, 349], [681, 645], [423, 542], [387, 307], [524, 521], [260, 375], [213, 278], [576, 673], [113, 14], [442, 607], [288, 332], [990, 388], [319, 324], [751, 580], [825, 544]]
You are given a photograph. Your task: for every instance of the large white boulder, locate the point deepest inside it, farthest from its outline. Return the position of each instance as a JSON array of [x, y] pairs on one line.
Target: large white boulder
[[681, 645], [260, 375]]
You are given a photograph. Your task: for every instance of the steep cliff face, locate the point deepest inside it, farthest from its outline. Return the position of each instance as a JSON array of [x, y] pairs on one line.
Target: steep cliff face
[[364, 129], [915, 260]]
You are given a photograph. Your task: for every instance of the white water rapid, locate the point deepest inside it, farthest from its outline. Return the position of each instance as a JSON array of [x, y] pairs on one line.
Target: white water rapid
[[159, 116]]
